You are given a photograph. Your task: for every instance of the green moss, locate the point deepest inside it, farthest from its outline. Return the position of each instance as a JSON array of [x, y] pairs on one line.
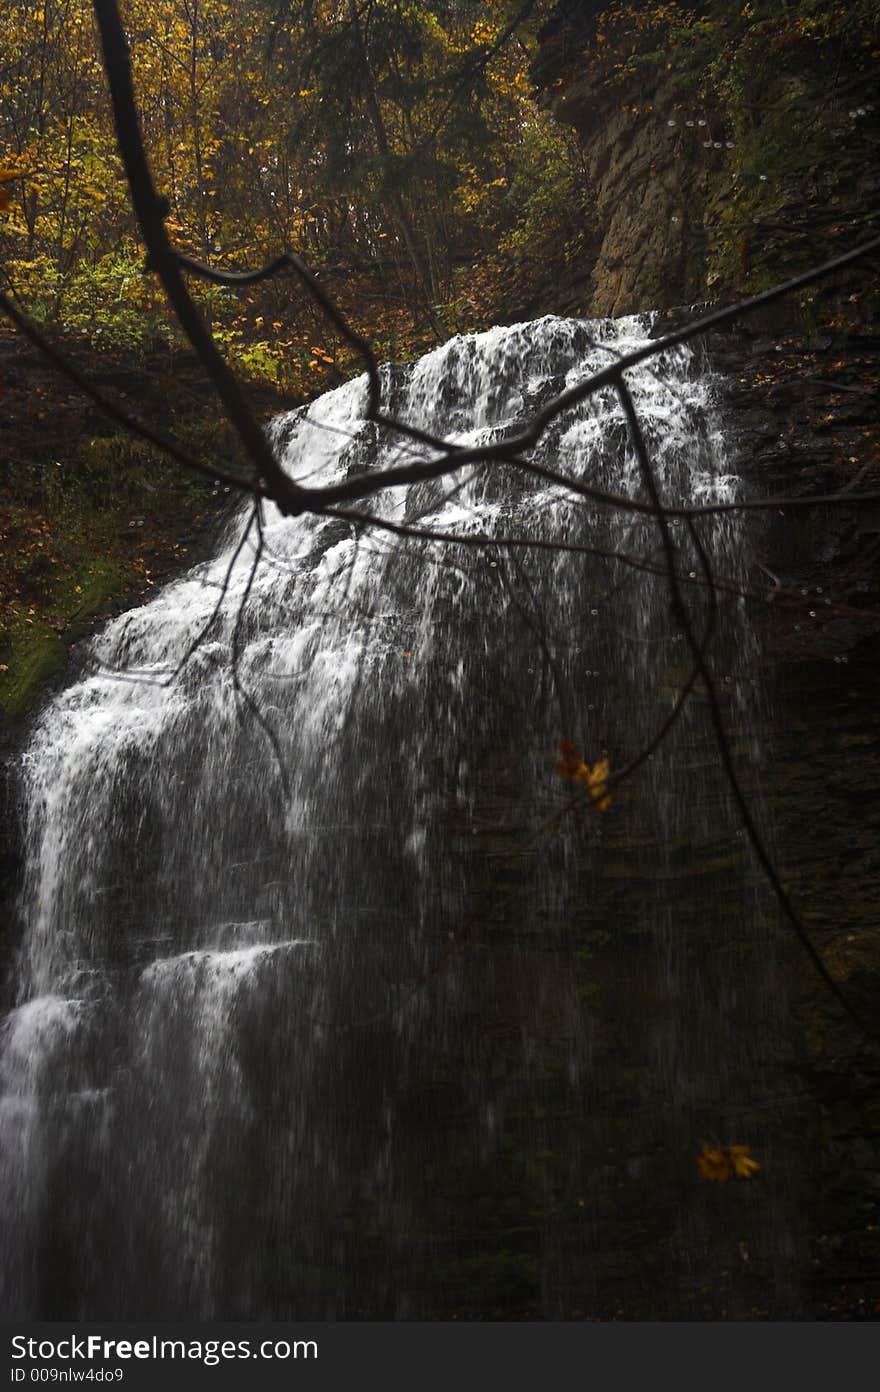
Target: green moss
[[35, 653], [36, 657]]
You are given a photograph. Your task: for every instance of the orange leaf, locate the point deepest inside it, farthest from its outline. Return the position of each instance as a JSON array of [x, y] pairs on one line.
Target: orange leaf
[[594, 779], [571, 765], [713, 1163], [717, 1162]]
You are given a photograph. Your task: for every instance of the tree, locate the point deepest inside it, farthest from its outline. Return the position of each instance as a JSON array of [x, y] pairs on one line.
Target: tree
[[384, 141]]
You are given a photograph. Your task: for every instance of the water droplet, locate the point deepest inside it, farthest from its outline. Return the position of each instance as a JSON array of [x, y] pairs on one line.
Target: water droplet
[[763, 178], [812, 613], [594, 612], [689, 123], [702, 121], [707, 144], [731, 144], [718, 145], [692, 574], [818, 589], [672, 123], [803, 591]]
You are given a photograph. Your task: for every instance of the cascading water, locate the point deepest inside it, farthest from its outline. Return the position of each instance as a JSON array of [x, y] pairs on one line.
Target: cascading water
[[390, 1035]]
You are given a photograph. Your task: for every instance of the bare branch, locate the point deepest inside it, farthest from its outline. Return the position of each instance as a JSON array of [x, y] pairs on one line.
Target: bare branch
[[513, 447]]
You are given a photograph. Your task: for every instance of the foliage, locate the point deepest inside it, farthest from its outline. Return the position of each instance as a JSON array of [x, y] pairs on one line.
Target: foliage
[[389, 144]]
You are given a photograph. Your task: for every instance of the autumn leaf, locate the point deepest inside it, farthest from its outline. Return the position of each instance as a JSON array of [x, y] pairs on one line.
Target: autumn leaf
[[743, 1162], [597, 778], [713, 1163], [594, 779], [718, 1162]]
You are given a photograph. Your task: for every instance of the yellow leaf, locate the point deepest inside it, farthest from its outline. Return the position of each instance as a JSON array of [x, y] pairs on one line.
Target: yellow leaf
[[596, 785], [594, 779], [743, 1162], [718, 1162]]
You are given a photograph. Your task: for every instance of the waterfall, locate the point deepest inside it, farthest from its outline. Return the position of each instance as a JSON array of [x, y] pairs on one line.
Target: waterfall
[[324, 1005]]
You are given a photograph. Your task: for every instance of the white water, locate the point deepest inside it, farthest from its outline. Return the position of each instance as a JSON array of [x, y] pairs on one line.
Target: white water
[[231, 998]]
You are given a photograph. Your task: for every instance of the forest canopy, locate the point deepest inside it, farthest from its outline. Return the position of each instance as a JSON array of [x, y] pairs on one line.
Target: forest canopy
[[398, 147]]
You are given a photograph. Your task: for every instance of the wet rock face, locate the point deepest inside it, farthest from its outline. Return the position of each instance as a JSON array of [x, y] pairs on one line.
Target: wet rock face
[[709, 183], [822, 777], [646, 178], [803, 411]]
